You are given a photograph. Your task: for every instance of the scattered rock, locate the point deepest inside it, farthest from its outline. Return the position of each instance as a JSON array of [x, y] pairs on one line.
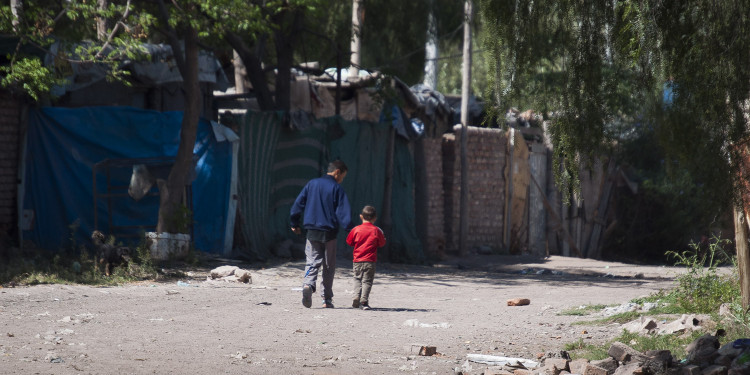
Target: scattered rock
[[422, 350], [518, 301], [232, 274]]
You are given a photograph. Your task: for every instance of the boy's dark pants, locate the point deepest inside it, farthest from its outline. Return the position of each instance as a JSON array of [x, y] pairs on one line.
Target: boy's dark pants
[[364, 274]]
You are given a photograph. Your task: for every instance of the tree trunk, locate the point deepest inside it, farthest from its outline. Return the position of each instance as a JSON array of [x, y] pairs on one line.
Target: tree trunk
[[16, 7], [102, 22], [743, 255], [285, 37], [171, 191], [358, 12], [255, 72], [431, 50]]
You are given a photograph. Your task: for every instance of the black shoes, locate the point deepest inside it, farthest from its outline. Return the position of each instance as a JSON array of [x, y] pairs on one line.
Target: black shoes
[[307, 296]]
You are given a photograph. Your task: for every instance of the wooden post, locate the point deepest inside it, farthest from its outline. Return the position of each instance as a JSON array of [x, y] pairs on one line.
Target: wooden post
[[743, 257], [465, 92], [388, 194]]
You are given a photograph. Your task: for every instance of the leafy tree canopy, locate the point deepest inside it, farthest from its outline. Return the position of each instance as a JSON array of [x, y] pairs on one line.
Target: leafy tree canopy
[[591, 64]]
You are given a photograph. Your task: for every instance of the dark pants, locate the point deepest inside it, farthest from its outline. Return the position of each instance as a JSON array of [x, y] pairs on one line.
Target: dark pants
[[364, 274], [320, 255]]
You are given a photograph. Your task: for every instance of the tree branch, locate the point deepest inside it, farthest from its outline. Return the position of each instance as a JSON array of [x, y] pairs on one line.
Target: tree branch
[[114, 31]]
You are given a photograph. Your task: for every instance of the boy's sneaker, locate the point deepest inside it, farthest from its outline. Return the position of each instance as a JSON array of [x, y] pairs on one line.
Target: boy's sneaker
[[355, 303], [307, 296], [366, 306], [327, 305]]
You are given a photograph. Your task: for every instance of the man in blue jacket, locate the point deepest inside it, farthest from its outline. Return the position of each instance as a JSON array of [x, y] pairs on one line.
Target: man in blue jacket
[[324, 208]]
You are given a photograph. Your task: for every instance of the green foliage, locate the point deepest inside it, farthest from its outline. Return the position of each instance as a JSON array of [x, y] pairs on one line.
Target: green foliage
[[181, 220], [703, 289], [29, 75], [594, 52], [671, 207]]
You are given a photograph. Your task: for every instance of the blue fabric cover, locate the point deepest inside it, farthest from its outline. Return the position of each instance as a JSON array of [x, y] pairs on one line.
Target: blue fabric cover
[[64, 144]]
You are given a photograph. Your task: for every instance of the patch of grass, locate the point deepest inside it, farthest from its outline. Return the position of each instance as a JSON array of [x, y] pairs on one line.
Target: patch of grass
[[73, 266], [701, 290], [583, 310], [580, 349], [674, 343]]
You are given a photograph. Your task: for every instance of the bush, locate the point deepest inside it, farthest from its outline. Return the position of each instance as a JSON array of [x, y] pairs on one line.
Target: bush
[[703, 289]]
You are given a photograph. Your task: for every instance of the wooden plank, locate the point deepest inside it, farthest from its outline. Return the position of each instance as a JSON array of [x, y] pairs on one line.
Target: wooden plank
[[560, 227], [593, 249]]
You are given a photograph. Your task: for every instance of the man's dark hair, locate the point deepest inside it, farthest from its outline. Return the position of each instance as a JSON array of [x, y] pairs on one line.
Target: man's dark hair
[[369, 213], [337, 165]]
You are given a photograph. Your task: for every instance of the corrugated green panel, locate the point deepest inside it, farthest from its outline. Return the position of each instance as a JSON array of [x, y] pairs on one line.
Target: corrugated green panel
[[287, 159]]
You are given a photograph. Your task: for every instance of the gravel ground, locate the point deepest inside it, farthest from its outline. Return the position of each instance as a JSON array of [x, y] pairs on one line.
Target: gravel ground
[[195, 326]]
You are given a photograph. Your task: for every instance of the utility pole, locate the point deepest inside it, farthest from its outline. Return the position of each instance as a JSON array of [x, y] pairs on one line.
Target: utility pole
[[465, 91], [358, 16]]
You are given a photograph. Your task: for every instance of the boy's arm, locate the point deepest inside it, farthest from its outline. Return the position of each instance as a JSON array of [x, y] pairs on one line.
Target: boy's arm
[[350, 237], [381, 238]]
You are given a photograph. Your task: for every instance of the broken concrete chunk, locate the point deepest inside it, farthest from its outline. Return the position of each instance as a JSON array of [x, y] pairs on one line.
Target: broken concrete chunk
[[629, 369], [593, 370], [622, 352], [518, 301], [577, 366], [608, 364], [223, 271], [231, 273], [501, 361], [423, 350], [714, 370], [703, 349]]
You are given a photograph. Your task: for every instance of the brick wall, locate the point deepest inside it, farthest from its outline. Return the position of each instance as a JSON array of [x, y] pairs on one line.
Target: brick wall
[[434, 238], [486, 150], [10, 113]]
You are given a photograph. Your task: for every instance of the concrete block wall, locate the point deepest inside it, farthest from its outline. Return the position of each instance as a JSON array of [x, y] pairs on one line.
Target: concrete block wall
[[10, 118], [486, 152]]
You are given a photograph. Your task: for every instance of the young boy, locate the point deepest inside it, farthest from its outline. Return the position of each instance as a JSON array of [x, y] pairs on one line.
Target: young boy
[[366, 239]]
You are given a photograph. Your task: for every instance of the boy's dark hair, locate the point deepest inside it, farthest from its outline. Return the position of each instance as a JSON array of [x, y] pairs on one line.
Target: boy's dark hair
[[337, 165], [368, 213]]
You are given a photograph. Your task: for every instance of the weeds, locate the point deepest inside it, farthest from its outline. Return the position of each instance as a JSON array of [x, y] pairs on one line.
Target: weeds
[[701, 290], [74, 265], [583, 310]]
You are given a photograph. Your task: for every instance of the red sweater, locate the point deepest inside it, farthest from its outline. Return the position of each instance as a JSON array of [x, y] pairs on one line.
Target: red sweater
[[366, 239]]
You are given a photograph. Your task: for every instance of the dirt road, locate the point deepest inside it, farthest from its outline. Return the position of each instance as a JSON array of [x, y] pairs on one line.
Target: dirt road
[[193, 326]]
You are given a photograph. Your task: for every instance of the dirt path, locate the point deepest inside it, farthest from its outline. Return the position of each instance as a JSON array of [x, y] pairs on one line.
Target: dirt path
[[199, 327]]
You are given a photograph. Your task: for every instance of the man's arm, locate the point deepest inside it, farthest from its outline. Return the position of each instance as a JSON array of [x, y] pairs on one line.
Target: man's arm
[[297, 209]]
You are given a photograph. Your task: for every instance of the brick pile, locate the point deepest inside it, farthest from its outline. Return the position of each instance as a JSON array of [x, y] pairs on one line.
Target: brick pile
[[705, 356]]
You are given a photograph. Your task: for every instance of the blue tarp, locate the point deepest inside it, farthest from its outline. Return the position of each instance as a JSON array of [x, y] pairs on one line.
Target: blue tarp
[[62, 147]]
